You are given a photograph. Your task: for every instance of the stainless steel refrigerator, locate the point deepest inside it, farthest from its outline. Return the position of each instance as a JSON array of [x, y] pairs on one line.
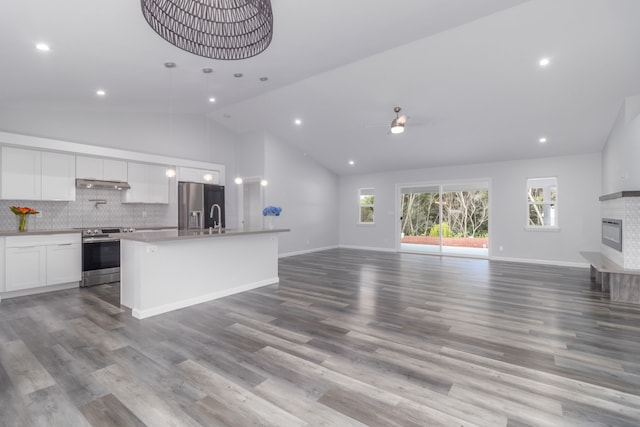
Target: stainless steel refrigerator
[[195, 202]]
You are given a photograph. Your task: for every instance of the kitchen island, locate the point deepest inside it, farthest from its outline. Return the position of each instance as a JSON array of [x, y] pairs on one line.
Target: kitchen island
[[164, 271]]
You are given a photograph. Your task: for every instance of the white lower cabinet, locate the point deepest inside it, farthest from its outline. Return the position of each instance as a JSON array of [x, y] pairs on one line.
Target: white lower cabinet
[[64, 263], [42, 260], [2, 259], [26, 267]]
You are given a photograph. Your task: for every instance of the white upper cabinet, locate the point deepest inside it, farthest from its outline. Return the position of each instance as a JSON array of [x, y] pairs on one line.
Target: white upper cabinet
[[37, 175], [149, 184], [21, 174], [58, 176], [158, 184], [115, 170], [137, 173], [103, 169], [89, 167], [201, 176]]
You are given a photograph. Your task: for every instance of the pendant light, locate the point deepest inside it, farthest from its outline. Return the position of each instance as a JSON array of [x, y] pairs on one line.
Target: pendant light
[[216, 29], [207, 73], [170, 172], [238, 179]]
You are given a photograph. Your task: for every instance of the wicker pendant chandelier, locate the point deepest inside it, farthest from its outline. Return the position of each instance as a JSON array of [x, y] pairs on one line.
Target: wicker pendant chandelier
[[217, 29]]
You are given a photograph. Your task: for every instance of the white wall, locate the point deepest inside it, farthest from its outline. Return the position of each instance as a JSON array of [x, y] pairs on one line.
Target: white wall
[[146, 132], [621, 152], [252, 155], [307, 194], [579, 186]]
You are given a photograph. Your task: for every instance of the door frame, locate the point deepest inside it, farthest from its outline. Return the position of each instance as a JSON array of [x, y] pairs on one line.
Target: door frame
[[248, 215], [440, 184]]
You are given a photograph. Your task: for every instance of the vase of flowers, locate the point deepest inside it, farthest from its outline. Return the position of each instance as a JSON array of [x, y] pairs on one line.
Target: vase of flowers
[[269, 212], [22, 213]]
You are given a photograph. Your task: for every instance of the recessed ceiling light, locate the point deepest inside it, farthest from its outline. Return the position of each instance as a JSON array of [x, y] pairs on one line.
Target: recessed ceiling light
[[101, 92], [237, 75], [43, 47], [351, 162], [212, 99], [542, 140], [298, 122], [264, 79], [544, 62], [207, 70], [170, 65]]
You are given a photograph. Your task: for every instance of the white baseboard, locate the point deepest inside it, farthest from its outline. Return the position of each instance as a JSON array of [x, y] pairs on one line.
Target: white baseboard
[[491, 258], [306, 251], [541, 261], [367, 248], [41, 290], [154, 311]]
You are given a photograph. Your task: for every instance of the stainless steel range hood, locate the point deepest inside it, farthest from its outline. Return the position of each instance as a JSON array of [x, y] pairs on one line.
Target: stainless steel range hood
[[99, 184]]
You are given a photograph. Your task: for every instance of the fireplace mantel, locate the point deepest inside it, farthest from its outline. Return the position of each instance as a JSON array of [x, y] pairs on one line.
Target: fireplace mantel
[[619, 195]]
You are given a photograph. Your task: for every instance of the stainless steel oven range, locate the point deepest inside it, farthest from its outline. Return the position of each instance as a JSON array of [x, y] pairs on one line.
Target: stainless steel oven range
[[101, 255]]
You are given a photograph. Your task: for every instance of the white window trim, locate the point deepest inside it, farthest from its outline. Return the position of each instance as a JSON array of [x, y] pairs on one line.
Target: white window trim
[[373, 190], [542, 228]]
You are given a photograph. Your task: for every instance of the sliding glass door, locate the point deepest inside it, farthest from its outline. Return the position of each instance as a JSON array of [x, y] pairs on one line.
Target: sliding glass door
[[445, 219], [419, 214]]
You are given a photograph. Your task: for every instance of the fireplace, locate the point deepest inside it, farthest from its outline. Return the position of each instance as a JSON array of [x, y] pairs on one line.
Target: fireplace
[[621, 235], [612, 233]]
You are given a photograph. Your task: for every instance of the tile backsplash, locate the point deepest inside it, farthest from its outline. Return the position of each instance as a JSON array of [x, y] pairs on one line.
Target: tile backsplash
[[84, 213]]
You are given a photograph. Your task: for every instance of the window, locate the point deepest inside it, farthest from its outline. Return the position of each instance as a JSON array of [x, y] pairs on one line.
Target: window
[[366, 205], [542, 202]]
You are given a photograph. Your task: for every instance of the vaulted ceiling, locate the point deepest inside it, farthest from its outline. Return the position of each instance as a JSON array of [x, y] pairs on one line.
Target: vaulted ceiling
[[466, 72]]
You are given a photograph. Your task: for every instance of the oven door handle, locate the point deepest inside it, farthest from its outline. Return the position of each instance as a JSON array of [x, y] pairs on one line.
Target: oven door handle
[[100, 239]]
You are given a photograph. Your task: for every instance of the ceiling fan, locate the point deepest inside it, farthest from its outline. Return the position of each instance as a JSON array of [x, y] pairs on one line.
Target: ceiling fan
[[397, 124]]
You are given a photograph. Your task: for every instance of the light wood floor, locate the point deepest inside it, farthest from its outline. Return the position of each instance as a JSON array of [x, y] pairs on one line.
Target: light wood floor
[[347, 338]]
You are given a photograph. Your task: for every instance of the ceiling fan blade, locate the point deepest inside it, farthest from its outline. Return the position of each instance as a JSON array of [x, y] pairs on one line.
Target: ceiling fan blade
[[375, 126], [420, 123]]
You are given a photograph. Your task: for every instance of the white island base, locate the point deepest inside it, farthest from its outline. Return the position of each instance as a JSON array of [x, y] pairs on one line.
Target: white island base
[[163, 272]]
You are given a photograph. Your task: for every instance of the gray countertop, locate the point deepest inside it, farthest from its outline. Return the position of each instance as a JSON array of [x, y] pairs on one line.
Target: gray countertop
[[172, 235], [38, 232], [74, 230]]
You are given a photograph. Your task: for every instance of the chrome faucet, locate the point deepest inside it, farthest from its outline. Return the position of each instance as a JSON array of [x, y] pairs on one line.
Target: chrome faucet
[[216, 225]]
